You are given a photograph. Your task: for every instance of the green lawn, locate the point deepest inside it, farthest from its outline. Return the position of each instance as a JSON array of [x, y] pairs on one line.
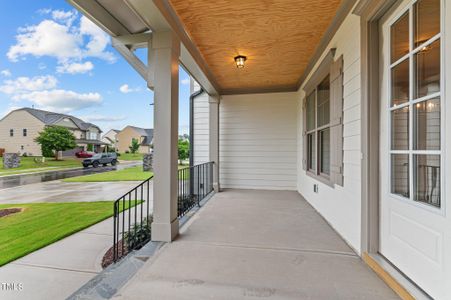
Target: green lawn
[[28, 165], [129, 174], [130, 156], [41, 224]]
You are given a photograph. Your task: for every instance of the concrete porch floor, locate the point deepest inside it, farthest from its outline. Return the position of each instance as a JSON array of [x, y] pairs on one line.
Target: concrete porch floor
[[247, 244]]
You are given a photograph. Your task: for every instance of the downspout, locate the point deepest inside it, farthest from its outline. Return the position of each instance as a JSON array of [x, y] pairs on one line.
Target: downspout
[[191, 125]]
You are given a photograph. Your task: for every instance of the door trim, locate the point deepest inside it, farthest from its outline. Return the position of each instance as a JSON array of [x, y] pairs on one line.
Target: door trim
[[370, 12]]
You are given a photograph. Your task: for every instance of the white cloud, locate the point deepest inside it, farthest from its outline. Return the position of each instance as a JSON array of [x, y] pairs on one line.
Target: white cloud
[[68, 17], [60, 37], [185, 81], [61, 100], [102, 118], [25, 84], [98, 41], [74, 68], [125, 89], [42, 66], [48, 38], [6, 73]]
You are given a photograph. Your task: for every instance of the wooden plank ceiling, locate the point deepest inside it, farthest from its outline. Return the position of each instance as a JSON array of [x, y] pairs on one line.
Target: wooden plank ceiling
[[278, 37]]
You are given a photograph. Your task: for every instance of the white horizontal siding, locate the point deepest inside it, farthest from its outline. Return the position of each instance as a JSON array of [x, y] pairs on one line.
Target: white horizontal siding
[[257, 141], [201, 129], [341, 206]]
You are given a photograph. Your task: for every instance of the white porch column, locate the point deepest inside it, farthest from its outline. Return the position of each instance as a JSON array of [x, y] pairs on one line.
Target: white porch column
[[165, 59], [213, 103]]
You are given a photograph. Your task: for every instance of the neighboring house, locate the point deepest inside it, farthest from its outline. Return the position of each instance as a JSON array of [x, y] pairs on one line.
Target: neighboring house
[[125, 136], [20, 128], [110, 138]]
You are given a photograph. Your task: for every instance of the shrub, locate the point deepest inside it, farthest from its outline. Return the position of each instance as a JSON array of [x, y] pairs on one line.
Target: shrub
[[127, 152], [139, 234], [25, 154], [46, 152]]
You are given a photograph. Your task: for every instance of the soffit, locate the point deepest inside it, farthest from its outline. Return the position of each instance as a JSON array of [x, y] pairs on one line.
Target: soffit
[[279, 37]]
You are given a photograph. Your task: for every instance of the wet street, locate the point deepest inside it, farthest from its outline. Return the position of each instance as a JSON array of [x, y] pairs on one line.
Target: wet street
[[7, 182]]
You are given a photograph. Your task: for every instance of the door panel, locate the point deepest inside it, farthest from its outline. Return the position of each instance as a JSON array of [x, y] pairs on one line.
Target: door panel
[[415, 227]]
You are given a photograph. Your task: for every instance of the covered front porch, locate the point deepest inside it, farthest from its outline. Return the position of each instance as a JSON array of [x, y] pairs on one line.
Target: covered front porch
[[256, 243]]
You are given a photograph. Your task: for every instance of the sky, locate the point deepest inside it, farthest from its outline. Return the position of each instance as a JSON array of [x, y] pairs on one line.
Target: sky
[[53, 58]]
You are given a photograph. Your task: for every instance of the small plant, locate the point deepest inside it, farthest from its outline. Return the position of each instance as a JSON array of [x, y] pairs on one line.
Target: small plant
[[25, 154], [134, 147], [139, 234], [127, 152]]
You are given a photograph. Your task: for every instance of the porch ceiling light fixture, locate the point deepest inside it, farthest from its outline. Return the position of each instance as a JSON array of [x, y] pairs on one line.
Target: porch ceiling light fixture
[[239, 60]]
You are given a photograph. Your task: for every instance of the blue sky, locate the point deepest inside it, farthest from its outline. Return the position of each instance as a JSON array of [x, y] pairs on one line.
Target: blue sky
[[53, 58]]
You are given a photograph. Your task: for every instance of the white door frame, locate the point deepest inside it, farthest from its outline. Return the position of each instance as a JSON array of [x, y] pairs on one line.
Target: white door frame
[[370, 13]]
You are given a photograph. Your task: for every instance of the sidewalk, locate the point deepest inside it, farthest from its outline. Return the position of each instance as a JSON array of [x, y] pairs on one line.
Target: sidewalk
[[56, 271]]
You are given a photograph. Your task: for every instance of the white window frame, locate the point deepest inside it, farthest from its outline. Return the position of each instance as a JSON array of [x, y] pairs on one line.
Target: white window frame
[[410, 103]]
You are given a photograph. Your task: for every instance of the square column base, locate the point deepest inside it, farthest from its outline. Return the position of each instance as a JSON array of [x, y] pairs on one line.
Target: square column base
[[165, 232]]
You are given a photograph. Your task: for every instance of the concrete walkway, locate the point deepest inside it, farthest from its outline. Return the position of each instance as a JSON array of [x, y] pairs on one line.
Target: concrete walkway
[[256, 244], [56, 271]]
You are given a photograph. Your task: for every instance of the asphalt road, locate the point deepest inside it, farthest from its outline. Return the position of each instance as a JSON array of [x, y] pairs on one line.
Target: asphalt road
[[7, 182]]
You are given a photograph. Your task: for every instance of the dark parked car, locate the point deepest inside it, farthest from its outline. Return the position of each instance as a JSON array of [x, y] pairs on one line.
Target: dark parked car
[[100, 159], [84, 154]]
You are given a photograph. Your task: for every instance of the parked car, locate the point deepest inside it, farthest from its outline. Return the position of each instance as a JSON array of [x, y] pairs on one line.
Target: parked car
[[84, 154], [100, 159]]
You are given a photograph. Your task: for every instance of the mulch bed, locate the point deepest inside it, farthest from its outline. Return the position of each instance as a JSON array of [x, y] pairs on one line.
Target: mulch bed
[[9, 211], [108, 257]]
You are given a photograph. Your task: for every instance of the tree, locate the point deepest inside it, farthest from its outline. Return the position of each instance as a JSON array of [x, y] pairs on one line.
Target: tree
[[183, 147], [134, 147], [56, 138]]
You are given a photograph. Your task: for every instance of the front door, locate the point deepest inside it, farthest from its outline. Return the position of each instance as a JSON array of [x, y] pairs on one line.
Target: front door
[[415, 201]]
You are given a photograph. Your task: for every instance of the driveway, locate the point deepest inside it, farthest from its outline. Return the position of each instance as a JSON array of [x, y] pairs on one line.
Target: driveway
[[58, 191]]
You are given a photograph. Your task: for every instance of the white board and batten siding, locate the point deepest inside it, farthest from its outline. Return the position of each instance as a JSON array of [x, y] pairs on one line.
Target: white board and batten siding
[[341, 206], [258, 141]]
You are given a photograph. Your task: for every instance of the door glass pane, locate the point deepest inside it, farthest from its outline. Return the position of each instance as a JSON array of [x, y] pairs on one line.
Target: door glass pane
[[400, 174], [400, 83], [400, 129], [311, 152], [400, 38], [311, 112], [427, 70], [323, 102], [325, 151], [426, 122], [426, 20], [427, 179]]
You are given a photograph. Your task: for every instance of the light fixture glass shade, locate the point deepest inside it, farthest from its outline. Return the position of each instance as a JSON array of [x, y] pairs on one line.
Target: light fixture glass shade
[[239, 60]]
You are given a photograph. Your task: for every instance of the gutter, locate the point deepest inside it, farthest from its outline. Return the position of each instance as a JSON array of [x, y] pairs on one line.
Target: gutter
[[191, 124]]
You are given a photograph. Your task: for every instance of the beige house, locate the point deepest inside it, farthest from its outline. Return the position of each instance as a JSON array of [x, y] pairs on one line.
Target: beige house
[[341, 106], [20, 127], [143, 136], [110, 138]]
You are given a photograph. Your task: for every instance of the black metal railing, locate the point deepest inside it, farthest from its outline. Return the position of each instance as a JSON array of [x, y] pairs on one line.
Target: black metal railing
[[195, 183], [132, 212], [132, 219]]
